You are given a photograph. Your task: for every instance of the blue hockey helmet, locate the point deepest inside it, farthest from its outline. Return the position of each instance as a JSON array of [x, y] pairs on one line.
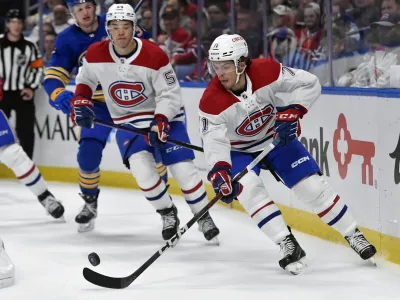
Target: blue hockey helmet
[[72, 3]]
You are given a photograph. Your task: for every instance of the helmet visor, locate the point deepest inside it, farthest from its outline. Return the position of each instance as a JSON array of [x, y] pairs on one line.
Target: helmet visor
[[221, 67]]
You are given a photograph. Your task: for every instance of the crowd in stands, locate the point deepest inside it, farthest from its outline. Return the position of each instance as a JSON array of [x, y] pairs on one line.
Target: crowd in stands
[[365, 34]]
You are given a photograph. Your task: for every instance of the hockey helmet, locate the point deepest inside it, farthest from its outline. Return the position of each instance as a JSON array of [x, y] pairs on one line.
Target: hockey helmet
[[121, 12], [72, 3], [14, 14]]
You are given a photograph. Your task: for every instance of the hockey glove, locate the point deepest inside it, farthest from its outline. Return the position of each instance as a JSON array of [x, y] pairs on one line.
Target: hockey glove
[[159, 131], [82, 112], [287, 125], [1, 88], [62, 101], [220, 178]]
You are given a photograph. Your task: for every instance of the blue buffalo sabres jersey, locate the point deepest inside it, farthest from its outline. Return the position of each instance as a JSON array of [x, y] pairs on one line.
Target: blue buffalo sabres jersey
[[70, 47], [6, 134]]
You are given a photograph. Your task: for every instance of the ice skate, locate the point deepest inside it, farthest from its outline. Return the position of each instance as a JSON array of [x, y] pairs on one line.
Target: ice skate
[[88, 214], [52, 206], [6, 268], [170, 221], [361, 246], [293, 260], [208, 228]]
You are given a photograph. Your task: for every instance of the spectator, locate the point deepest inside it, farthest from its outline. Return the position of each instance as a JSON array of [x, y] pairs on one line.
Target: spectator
[[21, 68], [49, 40], [173, 35], [218, 15], [375, 70], [48, 16], [185, 62], [390, 6], [59, 22], [308, 38], [244, 27], [147, 20], [365, 12]]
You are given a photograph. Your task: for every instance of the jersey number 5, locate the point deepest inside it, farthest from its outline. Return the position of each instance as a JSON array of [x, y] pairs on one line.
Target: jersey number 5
[[170, 78]]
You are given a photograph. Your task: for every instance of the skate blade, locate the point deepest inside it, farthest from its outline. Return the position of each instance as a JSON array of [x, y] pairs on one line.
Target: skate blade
[[297, 267], [5, 282], [61, 219], [373, 261], [86, 227], [214, 241]]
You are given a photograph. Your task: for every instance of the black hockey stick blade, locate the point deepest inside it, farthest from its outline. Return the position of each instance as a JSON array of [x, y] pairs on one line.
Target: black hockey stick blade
[[105, 281]]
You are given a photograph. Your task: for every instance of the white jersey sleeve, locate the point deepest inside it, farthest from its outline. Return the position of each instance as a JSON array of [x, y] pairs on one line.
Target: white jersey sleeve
[[167, 92], [303, 87], [217, 147], [87, 76]]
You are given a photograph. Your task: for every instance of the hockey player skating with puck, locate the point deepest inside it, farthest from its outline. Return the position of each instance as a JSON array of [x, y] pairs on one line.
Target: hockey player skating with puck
[[88, 29], [141, 90], [239, 116], [15, 158]]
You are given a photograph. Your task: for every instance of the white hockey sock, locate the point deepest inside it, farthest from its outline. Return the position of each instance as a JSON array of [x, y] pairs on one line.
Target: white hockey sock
[[143, 168], [262, 210], [191, 185], [14, 157]]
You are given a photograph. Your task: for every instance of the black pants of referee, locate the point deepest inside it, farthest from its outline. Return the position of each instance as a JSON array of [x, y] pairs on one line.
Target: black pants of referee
[[25, 113]]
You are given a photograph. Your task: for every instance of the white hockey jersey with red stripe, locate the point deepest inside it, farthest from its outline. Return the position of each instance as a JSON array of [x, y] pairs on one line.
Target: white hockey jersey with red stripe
[[135, 88], [245, 123]]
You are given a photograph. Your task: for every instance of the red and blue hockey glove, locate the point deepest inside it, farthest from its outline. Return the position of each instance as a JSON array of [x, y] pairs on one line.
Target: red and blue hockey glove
[[62, 101], [159, 131], [82, 113], [220, 178], [287, 125]]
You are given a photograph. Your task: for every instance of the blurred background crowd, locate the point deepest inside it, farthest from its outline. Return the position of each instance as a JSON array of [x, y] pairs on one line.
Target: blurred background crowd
[[352, 43]]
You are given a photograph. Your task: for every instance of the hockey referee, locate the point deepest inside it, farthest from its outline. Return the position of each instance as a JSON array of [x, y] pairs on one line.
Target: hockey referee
[[21, 70]]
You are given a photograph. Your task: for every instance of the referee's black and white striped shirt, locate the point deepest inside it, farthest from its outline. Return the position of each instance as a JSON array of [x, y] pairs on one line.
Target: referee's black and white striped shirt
[[21, 64]]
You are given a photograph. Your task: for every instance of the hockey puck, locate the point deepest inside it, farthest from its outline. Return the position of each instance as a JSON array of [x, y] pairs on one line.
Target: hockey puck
[[94, 259]]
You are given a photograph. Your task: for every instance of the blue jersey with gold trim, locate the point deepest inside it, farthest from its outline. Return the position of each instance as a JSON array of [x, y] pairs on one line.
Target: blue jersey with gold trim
[[70, 47]]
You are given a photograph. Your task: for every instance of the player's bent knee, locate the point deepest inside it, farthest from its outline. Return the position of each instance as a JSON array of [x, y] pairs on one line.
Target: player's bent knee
[[90, 154], [185, 173], [314, 190], [143, 169], [15, 158], [253, 191]]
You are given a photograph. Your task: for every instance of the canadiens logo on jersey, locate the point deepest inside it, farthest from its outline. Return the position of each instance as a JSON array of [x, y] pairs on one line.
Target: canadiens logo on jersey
[[256, 122], [127, 94]]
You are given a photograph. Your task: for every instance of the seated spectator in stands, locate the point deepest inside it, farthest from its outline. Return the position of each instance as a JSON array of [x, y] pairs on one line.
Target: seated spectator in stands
[[185, 61], [174, 35], [205, 72], [299, 17], [390, 6], [365, 12], [375, 70], [308, 38], [281, 40], [218, 15], [49, 40], [344, 59], [244, 27], [48, 16], [346, 23], [147, 21], [60, 22]]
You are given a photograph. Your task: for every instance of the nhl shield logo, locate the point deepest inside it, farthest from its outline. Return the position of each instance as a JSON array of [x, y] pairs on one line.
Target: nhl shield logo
[[256, 122], [21, 60]]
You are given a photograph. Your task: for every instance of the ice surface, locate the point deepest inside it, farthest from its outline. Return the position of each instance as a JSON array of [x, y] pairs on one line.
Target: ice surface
[[49, 256]]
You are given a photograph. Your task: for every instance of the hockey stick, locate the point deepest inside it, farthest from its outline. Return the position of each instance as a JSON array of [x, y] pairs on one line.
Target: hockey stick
[[145, 132], [138, 5], [123, 282]]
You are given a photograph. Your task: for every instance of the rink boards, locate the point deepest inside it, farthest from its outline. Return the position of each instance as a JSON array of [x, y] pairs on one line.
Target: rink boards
[[354, 134]]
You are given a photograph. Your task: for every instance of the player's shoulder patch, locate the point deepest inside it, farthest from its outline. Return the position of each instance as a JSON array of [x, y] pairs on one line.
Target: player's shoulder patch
[[99, 52], [263, 72], [216, 98], [151, 56]]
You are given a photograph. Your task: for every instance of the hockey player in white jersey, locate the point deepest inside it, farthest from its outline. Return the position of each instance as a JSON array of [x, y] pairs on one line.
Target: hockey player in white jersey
[[239, 116], [15, 158], [141, 90], [6, 268]]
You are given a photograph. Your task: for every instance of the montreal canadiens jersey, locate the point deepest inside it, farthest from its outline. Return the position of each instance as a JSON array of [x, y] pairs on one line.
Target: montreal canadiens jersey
[[135, 88], [70, 47], [245, 123]]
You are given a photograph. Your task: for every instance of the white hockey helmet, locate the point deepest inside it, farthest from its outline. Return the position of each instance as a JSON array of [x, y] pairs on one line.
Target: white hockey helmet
[[121, 12], [228, 47]]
